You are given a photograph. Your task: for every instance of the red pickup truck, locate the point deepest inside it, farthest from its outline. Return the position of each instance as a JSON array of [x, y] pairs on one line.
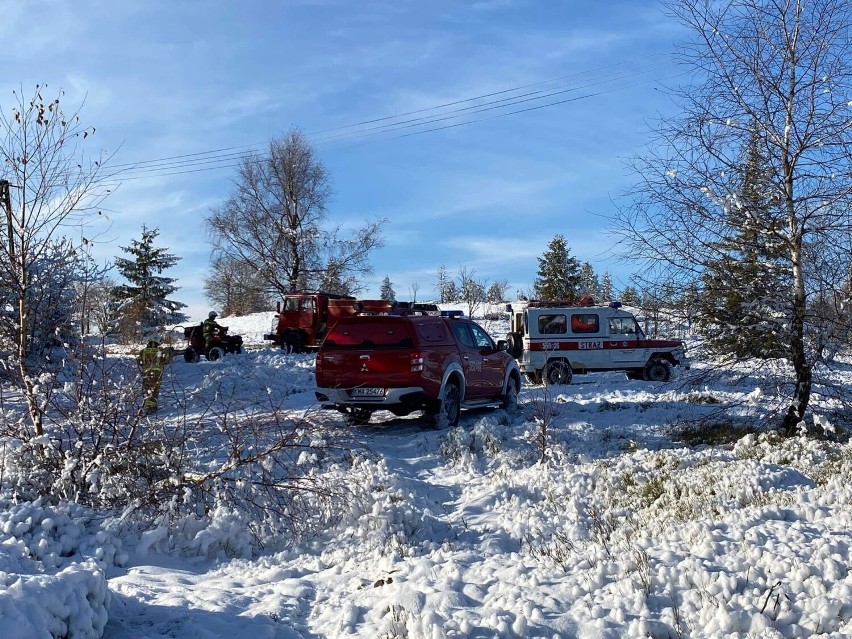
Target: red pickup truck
[[408, 363]]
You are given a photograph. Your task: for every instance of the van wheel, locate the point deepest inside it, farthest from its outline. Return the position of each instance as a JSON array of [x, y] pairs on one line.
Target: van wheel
[[556, 372], [449, 408], [658, 370]]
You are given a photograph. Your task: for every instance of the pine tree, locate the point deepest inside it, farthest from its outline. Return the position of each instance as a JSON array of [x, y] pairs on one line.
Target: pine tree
[[387, 293], [605, 292], [588, 281], [143, 302], [629, 296], [558, 273], [741, 306]]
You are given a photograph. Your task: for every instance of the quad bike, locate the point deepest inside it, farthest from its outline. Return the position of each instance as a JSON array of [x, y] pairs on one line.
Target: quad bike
[[220, 345]]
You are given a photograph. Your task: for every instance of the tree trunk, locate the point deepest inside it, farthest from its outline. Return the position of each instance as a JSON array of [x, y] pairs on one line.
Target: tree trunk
[[30, 387], [798, 357]]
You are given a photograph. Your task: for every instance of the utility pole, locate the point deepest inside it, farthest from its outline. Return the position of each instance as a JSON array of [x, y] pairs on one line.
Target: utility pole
[[6, 202]]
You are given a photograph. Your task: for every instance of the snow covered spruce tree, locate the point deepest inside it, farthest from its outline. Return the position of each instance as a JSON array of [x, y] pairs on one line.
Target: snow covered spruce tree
[[143, 302], [387, 293], [748, 319], [276, 221], [47, 186], [605, 290], [776, 78], [588, 281], [559, 276]]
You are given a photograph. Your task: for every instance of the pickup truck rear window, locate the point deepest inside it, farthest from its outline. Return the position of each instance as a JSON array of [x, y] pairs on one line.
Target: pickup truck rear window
[[433, 332], [369, 335]]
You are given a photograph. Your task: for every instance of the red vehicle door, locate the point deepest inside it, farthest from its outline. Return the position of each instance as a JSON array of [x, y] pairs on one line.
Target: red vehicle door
[[471, 359], [493, 362]]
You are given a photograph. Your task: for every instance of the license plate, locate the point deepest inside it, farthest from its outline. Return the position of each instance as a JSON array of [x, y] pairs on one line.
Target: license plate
[[368, 392]]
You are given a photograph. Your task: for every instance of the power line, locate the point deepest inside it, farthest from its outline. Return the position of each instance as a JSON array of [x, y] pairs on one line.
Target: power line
[[230, 157], [483, 96], [488, 106]]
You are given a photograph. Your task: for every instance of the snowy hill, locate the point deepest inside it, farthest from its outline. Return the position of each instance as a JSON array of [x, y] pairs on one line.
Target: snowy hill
[[630, 517]]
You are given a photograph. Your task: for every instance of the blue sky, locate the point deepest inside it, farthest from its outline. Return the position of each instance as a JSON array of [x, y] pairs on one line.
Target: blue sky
[[168, 78]]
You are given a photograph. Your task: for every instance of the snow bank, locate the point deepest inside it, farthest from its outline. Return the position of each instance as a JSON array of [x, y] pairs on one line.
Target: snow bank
[[52, 571]]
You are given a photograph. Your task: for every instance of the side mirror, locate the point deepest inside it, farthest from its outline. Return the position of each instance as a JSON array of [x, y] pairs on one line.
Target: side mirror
[[502, 345], [278, 306]]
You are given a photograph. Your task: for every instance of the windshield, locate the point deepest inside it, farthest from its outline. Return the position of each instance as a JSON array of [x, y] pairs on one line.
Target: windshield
[[291, 304]]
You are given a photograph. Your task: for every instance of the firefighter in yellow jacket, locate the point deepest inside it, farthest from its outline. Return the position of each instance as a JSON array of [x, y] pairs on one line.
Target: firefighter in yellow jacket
[[152, 360]]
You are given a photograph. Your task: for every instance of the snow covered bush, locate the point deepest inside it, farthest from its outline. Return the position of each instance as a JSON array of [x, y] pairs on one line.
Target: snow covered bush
[[52, 570]]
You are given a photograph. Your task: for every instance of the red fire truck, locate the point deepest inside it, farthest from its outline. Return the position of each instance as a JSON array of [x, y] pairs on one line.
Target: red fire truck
[[303, 319]]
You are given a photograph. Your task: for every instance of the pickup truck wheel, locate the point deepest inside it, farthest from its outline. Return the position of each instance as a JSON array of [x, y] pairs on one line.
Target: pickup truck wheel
[[557, 371], [510, 399], [658, 370], [215, 353], [359, 416], [449, 408]]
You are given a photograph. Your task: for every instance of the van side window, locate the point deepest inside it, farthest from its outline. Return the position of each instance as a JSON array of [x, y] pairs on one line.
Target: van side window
[[585, 323], [553, 324]]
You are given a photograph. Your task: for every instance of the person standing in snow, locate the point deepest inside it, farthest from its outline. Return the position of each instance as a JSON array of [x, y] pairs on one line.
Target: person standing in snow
[[152, 360], [210, 329]]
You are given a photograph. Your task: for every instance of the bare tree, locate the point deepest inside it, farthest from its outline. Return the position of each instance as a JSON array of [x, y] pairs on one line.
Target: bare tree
[[778, 75], [445, 285], [234, 287], [412, 289], [97, 305], [47, 185], [473, 291], [276, 221], [497, 291]]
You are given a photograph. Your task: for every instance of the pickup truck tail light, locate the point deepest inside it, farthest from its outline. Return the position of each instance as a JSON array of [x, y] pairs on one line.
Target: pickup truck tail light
[[416, 363]]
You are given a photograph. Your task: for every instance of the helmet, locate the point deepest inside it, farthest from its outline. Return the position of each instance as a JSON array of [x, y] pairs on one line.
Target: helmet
[[212, 315]]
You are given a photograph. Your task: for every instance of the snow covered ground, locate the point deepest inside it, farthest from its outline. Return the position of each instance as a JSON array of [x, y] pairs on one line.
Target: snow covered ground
[[633, 526]]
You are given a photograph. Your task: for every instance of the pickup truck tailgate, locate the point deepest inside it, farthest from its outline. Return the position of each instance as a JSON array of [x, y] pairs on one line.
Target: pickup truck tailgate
[[347, 369], [378, 354]]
